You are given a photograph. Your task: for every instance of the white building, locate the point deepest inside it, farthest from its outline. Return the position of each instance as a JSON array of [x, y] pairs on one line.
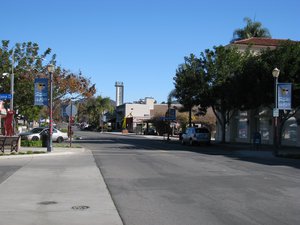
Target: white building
[[135, 114]]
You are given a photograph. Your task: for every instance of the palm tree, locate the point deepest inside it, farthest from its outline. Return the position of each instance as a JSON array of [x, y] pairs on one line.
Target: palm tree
[[96, 107], [252, 29]]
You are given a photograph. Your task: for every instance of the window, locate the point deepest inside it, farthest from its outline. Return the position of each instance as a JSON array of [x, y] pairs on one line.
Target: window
[[243, 125], [202, 130], [264, 125], [290, 130]]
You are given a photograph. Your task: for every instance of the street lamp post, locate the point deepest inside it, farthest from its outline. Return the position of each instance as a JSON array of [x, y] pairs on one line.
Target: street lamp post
[[12, 82], [275, 74], [50, 69]]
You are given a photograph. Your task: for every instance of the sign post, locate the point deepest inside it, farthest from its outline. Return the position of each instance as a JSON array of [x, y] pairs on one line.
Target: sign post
[[71, 111]]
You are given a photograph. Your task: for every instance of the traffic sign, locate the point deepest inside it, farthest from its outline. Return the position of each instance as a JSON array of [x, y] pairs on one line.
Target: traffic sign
[[71, 110], [5, 96]]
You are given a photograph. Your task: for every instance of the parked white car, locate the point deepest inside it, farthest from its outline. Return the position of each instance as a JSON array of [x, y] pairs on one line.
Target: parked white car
[[35, 134], [32, 135], [197, 135]]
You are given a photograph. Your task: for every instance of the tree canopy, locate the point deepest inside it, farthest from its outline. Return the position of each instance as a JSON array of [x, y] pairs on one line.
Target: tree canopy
[[221, 64], [95, 108], [29, 63], [228, 80], [189, 82]]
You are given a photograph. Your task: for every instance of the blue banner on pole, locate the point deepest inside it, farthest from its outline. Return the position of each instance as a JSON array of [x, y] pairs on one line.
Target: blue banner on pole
[[284, 91], [41, 91]]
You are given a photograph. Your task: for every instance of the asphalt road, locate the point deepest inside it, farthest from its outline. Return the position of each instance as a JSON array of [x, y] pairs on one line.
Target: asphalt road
[[9, 167], [153, 182]]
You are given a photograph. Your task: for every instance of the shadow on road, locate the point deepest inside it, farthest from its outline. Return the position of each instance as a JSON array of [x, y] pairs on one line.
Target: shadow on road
[[245, 152]]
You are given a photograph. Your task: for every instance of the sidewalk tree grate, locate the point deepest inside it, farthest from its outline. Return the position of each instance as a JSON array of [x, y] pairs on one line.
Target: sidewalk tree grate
[[48, 203], [80, 207]]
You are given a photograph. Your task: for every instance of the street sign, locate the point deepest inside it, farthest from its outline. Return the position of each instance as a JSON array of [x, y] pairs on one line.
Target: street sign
[[275, 112], [5, 96], [71, 108]]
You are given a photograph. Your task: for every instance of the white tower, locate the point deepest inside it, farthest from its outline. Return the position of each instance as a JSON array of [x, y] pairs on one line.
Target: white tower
[[119, 93]]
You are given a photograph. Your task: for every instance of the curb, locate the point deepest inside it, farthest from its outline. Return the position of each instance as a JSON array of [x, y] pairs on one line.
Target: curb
[[59, 151]]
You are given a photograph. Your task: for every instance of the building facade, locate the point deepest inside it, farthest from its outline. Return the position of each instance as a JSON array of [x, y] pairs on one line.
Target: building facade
[[244, 124], [135, 115]]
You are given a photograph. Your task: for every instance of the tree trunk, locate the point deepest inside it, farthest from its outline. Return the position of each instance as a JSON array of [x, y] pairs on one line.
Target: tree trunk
[[223, 124], [280, 129], [190, 117]]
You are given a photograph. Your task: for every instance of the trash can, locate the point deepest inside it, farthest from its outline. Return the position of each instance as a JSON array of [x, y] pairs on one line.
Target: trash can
[[45, 138], [256, 139]]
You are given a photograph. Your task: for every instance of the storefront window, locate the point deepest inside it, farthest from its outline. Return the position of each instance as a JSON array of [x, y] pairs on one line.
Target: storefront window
[[243, 125], [290, 130], [264, 129]]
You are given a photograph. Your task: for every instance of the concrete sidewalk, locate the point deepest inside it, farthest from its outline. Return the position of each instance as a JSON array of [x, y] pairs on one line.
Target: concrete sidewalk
[[65, 187]]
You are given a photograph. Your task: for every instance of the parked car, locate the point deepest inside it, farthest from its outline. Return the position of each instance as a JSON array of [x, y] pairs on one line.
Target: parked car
[[150, 131], [35, 134], [32, 135], [194, 135]]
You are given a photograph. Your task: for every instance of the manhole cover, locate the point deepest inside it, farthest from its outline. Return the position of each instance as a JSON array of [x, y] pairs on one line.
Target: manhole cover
[[48, 203], [80, 207]]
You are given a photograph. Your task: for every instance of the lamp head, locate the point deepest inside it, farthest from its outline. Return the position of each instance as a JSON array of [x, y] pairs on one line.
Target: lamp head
[[50, 68], [275, 73]]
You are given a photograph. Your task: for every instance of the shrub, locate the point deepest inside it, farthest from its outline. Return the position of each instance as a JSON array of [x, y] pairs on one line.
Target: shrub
[[65, 130], [26, 143]]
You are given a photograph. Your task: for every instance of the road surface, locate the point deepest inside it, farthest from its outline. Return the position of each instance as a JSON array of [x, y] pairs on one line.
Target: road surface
[[153, 182]]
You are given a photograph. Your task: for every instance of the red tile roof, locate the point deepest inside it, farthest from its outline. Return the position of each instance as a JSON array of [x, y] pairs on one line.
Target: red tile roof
[[260, 41]]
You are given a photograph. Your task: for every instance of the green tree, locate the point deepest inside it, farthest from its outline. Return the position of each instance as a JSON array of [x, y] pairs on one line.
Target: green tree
[[254, 87], [28, 63], [287, 58], [95, 109], [252, 29], [221, 66], [24, 61], [255, 83], [189, 83]]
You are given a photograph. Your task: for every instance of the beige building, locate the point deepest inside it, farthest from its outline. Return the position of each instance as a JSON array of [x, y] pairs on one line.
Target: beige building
[[135, 114]]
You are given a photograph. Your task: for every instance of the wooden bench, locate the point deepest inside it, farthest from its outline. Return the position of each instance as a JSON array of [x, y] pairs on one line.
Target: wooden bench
[[12, 141]]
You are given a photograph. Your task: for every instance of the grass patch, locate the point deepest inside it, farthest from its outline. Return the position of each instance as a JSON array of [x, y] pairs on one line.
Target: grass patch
[[65, 130]]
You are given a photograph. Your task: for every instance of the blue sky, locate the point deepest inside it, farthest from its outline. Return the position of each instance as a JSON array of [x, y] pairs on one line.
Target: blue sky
[[139, 42]]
